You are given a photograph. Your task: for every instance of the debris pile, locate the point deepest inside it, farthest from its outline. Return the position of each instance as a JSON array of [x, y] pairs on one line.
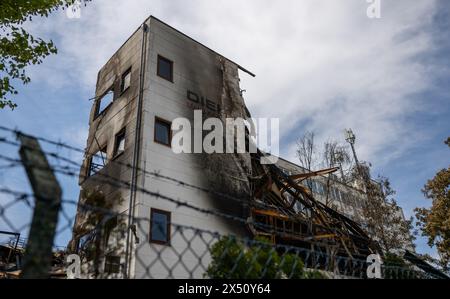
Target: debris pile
[[285, 211]]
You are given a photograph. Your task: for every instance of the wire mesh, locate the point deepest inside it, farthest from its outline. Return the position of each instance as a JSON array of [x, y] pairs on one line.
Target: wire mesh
[[160, 248]]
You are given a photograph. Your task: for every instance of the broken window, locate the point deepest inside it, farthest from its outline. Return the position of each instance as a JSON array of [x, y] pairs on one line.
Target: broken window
[[110, 225], [336, 194], [320, 188], [119, 144], [160, 227], [104, 101], [98, 161], [112, 264], [163, 132], [126, 81], [165, 68], [86, 243]]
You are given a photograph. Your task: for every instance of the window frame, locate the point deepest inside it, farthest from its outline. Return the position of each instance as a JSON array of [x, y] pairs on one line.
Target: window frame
[[160, 57], [104, 150], [116, 144], [122, 81], [107, 270], [169, 223], [99, 100], [165, 122]]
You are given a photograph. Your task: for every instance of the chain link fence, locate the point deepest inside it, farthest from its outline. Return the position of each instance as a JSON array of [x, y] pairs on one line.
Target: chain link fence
[[160, 248]]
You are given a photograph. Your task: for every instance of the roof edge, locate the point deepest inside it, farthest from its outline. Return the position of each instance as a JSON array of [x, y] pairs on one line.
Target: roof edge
[[192, 39]]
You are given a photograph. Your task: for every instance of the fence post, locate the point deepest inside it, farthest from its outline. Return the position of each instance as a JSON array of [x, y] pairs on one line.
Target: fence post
[[47, 192]]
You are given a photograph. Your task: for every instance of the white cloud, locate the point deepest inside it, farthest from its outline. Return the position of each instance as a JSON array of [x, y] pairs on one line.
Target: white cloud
[[318, 62]]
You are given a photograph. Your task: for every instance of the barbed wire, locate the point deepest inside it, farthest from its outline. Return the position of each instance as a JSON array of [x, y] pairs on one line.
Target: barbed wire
[[73, 170], [113, 181], [157, 195], [155, 174], [311, 257]]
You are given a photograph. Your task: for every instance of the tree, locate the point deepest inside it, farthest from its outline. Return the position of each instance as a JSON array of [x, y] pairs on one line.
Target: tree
[[231, 259], [435, 221], [306, 153], [334, 155], [383, 216], [395, 267], [96, 222], [18, 48]]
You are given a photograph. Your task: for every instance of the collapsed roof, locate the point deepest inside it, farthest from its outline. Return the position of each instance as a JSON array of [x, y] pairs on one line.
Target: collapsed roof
[[286, 211]]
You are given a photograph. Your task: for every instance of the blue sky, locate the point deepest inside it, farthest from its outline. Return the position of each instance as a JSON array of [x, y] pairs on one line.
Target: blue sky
[[320, 65]]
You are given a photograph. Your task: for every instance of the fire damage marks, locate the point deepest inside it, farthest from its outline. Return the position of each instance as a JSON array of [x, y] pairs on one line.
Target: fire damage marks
[[281, 208]]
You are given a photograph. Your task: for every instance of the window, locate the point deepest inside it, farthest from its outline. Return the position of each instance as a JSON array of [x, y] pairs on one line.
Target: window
[[85, 240], [119, 144], [339, 195], [163, 132], [97, 161], [104, 101], [112, 264], [320, 188], [165, 68], [126, 81], [109, 226], [160, 227]]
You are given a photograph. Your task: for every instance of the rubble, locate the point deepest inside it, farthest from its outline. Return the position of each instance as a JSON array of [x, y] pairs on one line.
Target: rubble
[[291, 216]]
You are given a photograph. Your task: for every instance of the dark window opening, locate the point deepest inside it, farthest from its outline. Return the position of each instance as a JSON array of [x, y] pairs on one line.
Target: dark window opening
[[112, 264], [163, 132], [110, 225], [119, 144], [165, 68], [126, 81], [98, 161], [104, 101], [160, 227], [85, 242]]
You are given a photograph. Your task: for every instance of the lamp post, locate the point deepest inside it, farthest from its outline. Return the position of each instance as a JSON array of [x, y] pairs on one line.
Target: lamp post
[[339, 160], [351, 138]]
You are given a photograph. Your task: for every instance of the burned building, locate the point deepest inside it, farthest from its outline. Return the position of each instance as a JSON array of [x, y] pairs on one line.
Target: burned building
[[158, 75]]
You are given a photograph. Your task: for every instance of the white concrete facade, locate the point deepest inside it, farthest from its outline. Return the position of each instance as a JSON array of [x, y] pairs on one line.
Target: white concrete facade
[[196, 68]]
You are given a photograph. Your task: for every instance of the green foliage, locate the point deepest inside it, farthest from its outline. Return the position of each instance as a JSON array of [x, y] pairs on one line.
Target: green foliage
[[231, 259], [383, 216], [435, 221], [18, 48], [395, 267], [96, 208], [393, 260], [95, 221]]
